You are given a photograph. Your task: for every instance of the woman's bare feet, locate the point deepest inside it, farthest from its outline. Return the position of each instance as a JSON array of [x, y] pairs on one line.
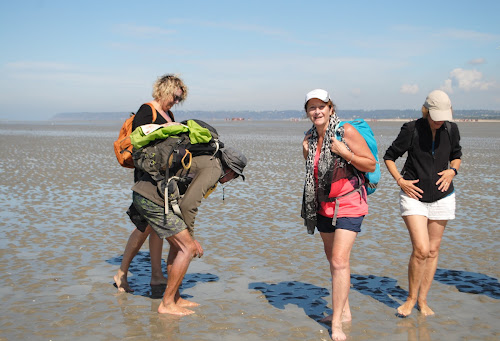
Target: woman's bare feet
[[425, 309], [346, 317], [405, 309], [174, 309], [121, 282], [337, 333], [158, 280]]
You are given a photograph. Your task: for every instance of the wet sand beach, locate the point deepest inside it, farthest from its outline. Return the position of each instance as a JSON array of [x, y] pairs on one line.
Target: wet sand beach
[[63, 199]]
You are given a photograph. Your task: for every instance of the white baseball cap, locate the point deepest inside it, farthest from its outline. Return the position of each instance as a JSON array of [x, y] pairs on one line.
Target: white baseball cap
[[319, 94], [439, 106]]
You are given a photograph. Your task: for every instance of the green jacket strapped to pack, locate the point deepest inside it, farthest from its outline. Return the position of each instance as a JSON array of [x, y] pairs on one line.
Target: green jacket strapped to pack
[[161, 151], [197, 133]]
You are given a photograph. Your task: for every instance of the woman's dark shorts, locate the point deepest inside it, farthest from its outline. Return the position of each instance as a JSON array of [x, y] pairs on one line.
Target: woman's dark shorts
[[165, 225], [324, 224]]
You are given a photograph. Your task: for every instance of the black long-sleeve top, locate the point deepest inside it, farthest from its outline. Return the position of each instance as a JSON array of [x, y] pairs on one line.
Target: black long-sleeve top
[[422, 163]]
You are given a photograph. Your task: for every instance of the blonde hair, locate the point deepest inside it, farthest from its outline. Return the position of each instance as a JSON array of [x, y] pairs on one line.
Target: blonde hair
[[167, 85]]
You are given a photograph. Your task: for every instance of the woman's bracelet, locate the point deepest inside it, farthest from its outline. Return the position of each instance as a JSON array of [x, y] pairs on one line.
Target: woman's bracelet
[[397, 181], [352, 157]]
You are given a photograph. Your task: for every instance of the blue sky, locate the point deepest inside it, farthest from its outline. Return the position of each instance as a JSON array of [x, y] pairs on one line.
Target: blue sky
[[88, 56]]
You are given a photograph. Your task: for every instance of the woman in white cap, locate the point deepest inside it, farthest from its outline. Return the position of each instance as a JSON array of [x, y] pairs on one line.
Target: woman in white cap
[[427, 197], [332, 177]]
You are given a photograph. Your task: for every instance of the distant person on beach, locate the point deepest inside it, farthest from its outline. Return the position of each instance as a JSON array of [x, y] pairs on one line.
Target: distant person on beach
[[205, 172], [331, 173], [168, 90], [427, 196]]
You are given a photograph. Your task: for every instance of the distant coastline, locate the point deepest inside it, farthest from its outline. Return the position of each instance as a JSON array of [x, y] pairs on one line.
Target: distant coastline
[[390, 114]]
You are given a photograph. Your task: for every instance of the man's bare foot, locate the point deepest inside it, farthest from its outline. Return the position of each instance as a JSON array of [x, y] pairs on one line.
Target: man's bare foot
[[345, 318], [425, 309], [337, 333], [185, 303], [174, 309], [406, 308], [121, 282]]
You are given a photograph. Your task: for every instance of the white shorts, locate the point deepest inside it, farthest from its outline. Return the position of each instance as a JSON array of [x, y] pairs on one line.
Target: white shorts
[[443, 209]]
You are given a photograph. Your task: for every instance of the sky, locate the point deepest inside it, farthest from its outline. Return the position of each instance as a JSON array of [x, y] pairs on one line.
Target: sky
[[104, 56]]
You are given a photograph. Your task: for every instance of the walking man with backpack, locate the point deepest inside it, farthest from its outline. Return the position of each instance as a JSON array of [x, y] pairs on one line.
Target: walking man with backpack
[[203, 175]]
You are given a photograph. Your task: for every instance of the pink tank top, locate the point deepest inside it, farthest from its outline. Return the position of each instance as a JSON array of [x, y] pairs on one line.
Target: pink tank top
[[352, 205]]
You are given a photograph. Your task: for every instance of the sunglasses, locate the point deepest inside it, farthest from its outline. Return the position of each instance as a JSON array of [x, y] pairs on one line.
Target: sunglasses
[[177, 98]]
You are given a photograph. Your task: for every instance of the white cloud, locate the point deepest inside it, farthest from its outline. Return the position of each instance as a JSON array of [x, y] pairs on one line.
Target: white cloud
[[470, 79], [467, 35], [477, 61], [143, 31], [356, 92], [410, 89], [447, 86]]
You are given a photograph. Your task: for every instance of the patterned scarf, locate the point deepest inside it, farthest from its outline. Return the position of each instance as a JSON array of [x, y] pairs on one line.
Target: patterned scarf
[[327, 159]]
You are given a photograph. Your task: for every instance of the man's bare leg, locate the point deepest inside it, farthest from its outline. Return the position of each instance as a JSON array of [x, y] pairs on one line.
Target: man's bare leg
[[170, 259], [133, 246], [183, 252]]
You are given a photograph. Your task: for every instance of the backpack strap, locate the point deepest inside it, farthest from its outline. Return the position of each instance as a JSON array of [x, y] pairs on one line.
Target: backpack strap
[[154, 111], [447, 127], [171, 114], [173, 200]]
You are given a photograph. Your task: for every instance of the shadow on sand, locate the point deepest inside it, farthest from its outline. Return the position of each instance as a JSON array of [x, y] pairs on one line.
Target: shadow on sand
[[304, 295], [310, 298], [141, 274], [469, 282]]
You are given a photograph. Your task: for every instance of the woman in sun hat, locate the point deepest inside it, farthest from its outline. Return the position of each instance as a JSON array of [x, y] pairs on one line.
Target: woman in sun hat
[[427, 196], [331, 175]]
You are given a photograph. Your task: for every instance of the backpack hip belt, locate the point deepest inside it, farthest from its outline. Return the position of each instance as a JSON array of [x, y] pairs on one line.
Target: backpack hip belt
[[337, 204]]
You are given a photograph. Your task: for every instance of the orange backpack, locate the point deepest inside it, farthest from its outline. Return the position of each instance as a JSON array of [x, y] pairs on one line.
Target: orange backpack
[[123, 146]]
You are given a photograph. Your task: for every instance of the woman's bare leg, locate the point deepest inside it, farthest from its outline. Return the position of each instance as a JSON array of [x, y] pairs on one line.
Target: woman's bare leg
[[417, 227], [133, 246], [338, 246], [436, 230]]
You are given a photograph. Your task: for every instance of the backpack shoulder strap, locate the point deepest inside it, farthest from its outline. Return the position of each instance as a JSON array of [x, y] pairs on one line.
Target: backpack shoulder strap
[[447, 126], [171, 114], [414, 134], [154, 111]]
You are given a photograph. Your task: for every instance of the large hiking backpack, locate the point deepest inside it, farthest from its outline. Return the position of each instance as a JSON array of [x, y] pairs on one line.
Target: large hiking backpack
[[123, 145], [163, 151], [372, 178]]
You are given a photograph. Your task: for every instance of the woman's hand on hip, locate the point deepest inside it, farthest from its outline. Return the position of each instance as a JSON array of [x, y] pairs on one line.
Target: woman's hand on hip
[[444, 181], [408, 186]]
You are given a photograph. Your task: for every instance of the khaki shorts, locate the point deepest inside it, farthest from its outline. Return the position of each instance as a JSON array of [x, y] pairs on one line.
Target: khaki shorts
[[442, 209]]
